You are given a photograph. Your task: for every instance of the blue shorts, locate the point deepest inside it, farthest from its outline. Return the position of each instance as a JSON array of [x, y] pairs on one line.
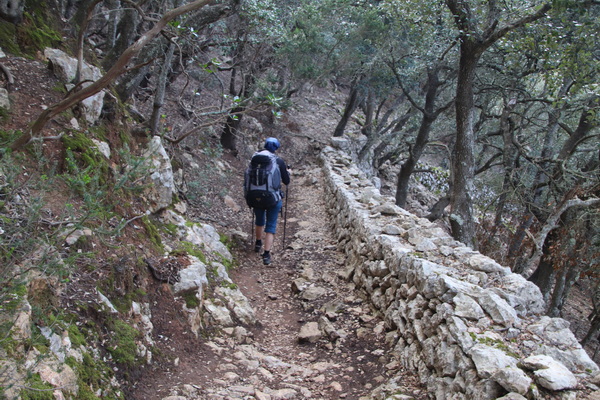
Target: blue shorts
[[271, 215]]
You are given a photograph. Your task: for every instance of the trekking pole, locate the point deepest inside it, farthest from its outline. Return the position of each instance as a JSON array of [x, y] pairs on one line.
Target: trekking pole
[[252, 228], [287, 189]]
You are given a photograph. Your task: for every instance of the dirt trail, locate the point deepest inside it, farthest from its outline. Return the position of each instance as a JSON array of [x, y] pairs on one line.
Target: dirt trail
[[271, 363]]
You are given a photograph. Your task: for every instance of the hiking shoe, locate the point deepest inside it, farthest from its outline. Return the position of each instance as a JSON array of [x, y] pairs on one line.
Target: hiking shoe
[[257, 246], [266, 258]]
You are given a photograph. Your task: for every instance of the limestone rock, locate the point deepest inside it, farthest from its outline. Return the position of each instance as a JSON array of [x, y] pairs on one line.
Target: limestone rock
[[12, 10], [560, 343], [390, 229], [340, 143], [488, 360], [58, 374], [479, 262], [102, 147], [65, 68], [192, 277], [284, 394], [159, 194], [313, 293], [387, 209], [512, 396], [4, 99], [231, 203], [206, 235], [219, 313], [549, 373], [299, 285], [309, 332], [513, 380], [498, 309], [238, 304], [465, 306]]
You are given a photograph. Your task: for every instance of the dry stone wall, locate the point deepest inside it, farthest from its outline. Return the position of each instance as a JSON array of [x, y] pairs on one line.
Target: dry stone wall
[[469, 327]]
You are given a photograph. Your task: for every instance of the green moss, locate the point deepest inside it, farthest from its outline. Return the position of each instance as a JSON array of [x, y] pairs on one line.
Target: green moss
[[4, 114], [12, 298], [122, 303], [36, 389], [152, 231], [35, 35], [59, 88], [497, 344], [8, 38], [122, 343], [191, 249], [92, 374], [76, 337], [229, 285], [86, 152], [171, 229], [7, 343], [191, 300], [38, 341], [125, 137]]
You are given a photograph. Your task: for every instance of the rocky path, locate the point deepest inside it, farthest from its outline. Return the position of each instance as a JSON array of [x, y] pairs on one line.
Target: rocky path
[[315, 338]]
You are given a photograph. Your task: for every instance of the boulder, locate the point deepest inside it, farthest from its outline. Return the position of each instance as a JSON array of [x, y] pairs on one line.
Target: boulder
[[309, 332], [159, 193], [192, 277], [4, 99], [12, 10], [498, 309], [465, 306], [549, 373], [488, 360], [65, 68], [513, 380]]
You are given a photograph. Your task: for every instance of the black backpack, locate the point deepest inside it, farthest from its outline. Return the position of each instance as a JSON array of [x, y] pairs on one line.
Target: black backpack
[[262, 181]]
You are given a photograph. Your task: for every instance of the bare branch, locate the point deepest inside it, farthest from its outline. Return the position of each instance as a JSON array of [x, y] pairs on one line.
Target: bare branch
[[113, 73], [553, 222]]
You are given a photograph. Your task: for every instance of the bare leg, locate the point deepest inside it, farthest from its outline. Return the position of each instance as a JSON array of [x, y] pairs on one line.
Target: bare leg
[[258, 230], [269, 239]]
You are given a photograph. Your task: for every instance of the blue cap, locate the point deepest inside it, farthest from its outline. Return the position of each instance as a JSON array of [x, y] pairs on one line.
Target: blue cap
[[272, 144]]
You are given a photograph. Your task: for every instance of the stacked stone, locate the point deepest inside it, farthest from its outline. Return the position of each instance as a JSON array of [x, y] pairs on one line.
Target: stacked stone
[[468, 326]]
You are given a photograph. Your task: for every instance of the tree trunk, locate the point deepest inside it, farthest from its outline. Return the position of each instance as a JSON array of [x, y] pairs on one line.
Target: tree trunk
[[472, 45], [127, 31], [562, 288], [113, 21], [509, 157], [228, 135], [541, 177], [369, 110], [81, 38], [429, 116], [543, 277], [351, 104], [159, 97], [437, 210], [594, 317], [463, 168]]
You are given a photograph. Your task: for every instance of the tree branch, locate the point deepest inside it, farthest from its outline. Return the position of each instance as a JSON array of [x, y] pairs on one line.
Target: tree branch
[[552, 222], [113, 73]]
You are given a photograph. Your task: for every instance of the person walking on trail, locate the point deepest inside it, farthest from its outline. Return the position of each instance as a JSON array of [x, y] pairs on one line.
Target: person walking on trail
[[264, 195]]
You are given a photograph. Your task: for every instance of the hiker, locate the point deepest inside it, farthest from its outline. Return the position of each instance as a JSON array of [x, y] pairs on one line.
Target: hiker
[[263, 193]]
